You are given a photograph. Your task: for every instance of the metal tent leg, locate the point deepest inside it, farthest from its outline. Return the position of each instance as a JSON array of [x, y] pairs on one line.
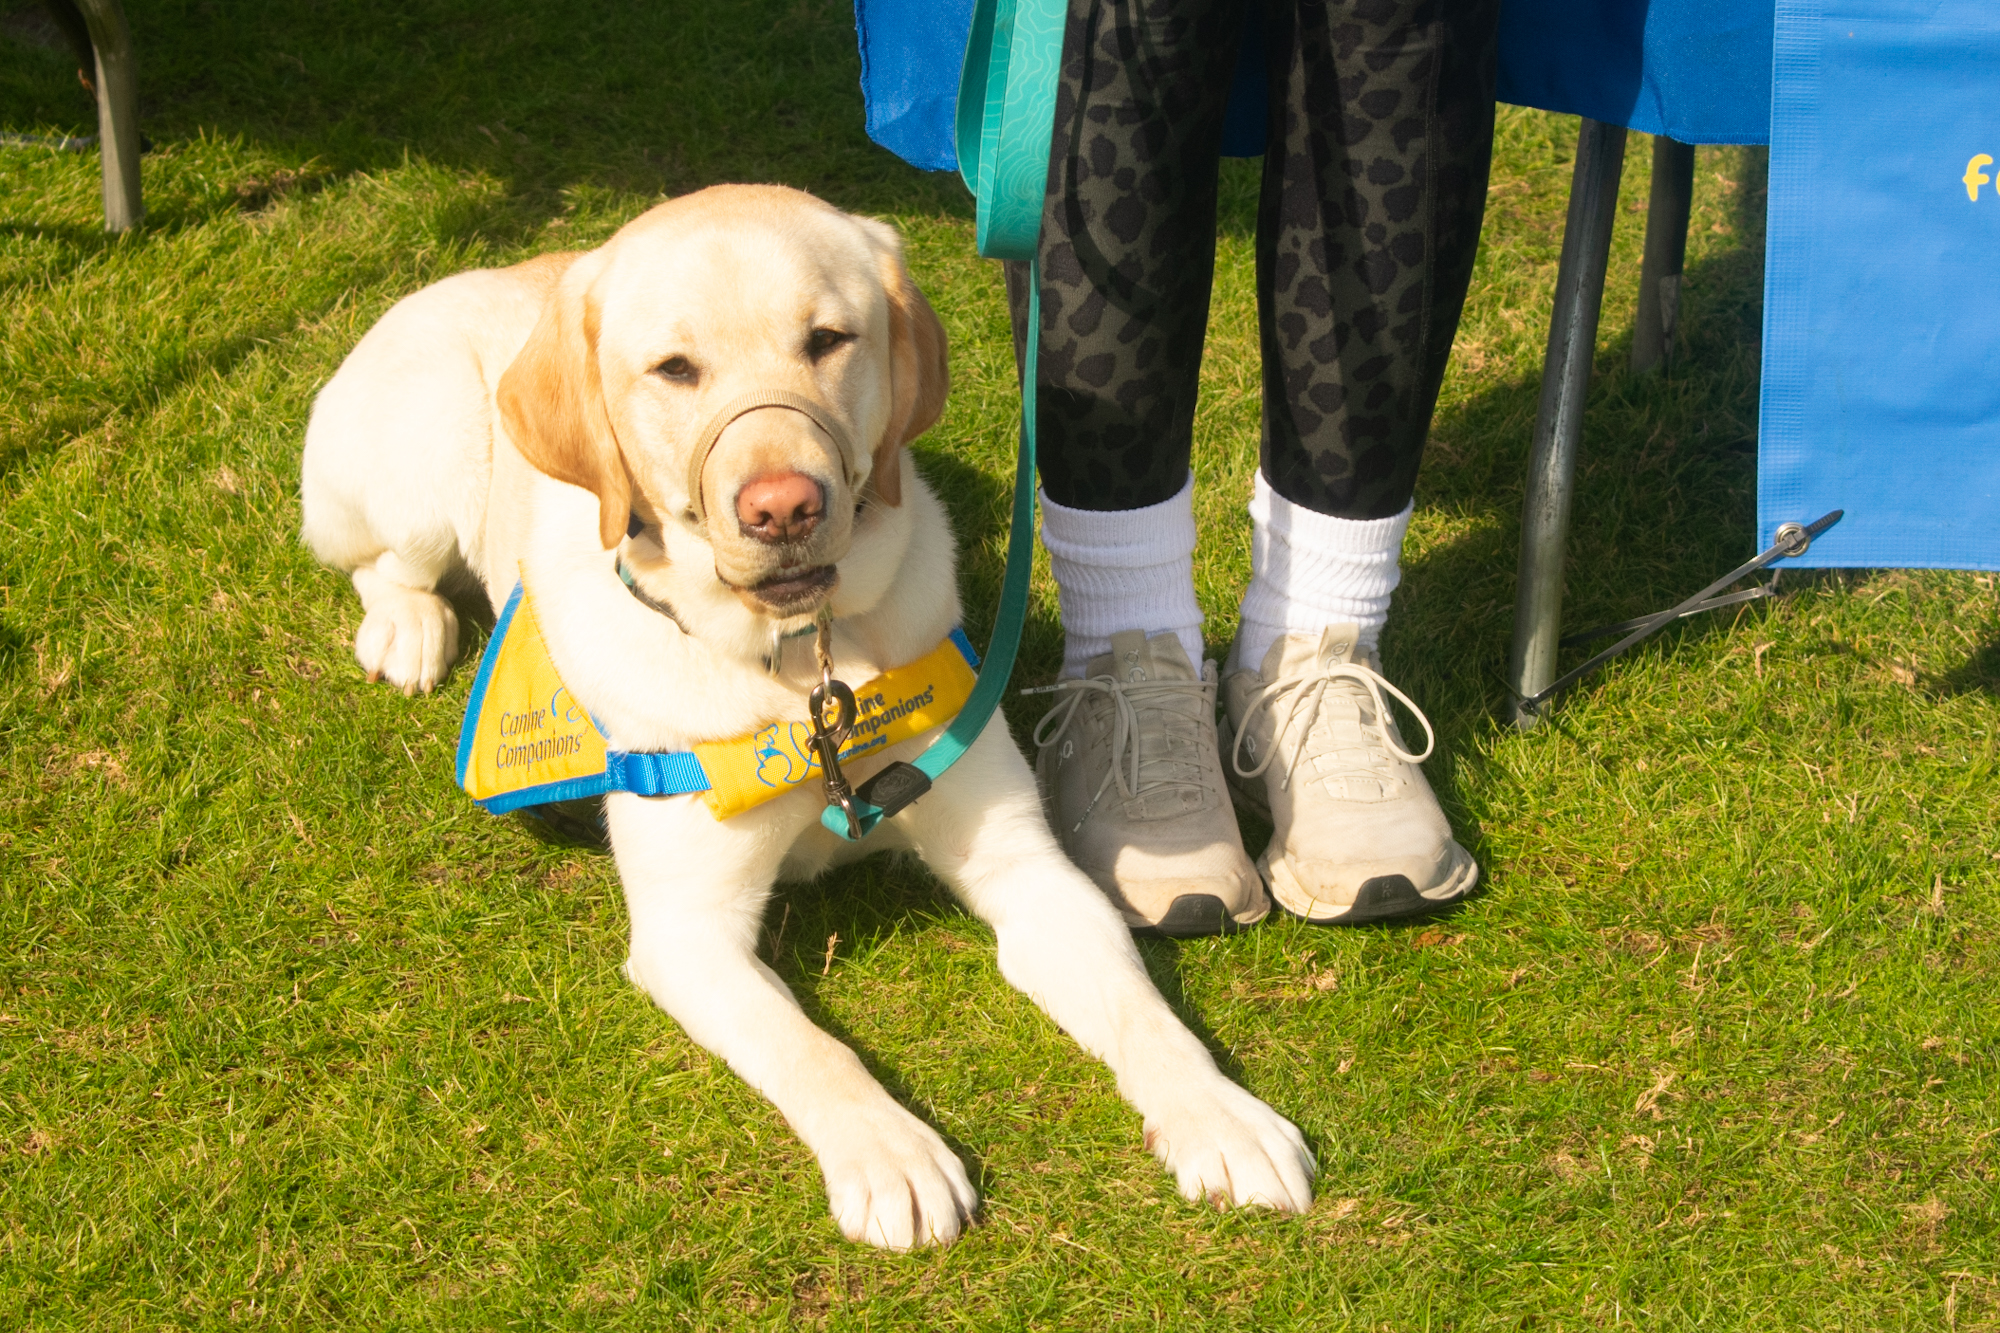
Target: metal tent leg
[[1586, 251], [117, 112], [1667, 210]]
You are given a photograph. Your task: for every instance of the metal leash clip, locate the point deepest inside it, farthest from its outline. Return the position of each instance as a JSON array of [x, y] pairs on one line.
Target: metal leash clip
[[829, 734]]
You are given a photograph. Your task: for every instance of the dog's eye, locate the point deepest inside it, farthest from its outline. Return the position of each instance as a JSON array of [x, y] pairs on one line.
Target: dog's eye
[[824, 341], [677, 368]]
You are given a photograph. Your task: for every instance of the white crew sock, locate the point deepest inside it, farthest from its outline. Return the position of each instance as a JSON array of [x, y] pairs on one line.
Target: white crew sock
[[1120, 570], [1308, 571]]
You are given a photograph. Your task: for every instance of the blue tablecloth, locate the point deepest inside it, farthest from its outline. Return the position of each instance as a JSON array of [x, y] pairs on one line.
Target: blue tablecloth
[[1698, 70]]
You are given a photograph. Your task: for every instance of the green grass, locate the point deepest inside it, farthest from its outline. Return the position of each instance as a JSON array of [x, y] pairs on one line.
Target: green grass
[[291, 1035]]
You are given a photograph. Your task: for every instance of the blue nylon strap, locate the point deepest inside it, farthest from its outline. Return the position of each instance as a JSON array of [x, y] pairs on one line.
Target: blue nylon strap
[[657, 774], [664, 774]]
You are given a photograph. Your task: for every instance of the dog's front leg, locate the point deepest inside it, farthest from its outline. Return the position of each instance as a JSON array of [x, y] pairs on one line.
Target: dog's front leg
[[696, 889], [1063, 943]]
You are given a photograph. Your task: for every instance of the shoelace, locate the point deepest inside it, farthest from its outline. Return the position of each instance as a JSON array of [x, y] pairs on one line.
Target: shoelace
[[1127, 697], [1303, 695]]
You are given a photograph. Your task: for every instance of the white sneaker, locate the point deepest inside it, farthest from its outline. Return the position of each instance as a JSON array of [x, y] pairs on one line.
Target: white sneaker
[[1131, 775], [1357, 835]]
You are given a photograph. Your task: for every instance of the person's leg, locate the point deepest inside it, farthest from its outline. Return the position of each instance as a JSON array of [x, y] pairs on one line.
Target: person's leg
[[1127, 257], [1374, 188], [1128, 756]]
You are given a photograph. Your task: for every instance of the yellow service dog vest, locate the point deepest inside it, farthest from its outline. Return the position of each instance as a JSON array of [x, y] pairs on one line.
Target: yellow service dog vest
[[527, 741]]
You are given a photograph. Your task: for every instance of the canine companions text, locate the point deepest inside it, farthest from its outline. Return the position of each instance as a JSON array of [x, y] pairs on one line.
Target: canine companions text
[[717, 402]]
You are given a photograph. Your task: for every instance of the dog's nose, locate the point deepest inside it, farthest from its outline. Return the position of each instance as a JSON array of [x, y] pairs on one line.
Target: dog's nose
[[781, 507]]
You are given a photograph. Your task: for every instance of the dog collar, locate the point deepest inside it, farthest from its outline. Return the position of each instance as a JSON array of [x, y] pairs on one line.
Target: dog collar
[[817, 413], [774, 656], [646, 599], [526, 740]]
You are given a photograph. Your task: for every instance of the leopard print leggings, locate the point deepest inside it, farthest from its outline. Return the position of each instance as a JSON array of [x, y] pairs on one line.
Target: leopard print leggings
[[1380, 134]]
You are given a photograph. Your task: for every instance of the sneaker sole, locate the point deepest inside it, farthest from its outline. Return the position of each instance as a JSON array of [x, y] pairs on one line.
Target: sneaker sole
[[1384, 898], [1193, 915]]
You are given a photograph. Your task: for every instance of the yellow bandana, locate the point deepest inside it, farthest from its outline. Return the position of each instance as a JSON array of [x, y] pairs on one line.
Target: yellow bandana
[[526, 741]]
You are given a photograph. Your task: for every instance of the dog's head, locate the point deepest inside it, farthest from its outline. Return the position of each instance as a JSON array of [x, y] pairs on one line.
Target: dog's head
[[739, 367]]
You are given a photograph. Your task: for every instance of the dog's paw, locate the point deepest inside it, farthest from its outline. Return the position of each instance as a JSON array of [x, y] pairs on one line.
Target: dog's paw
[[892, 1182], [1225, 1146], [408, 638]]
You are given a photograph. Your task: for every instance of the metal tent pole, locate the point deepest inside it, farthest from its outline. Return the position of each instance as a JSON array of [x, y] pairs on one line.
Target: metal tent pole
[[117, 112], [1586, 251], [1667, 208]]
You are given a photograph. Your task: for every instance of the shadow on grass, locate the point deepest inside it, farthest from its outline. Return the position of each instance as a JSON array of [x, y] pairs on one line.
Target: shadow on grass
[[645, 98], [86, 240], [217, 358], [78, 247], [1664, 498], [458, 221], [169, 213], [13, 644], [1980, 673], [858, 909], [251, 194]]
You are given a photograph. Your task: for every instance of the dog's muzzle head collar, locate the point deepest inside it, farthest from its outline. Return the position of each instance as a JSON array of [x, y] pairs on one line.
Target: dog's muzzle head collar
[[817, 413]]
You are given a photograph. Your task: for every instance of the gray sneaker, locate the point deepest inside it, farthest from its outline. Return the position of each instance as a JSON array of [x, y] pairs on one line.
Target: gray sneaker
[[1131, 775], [1357, 835]]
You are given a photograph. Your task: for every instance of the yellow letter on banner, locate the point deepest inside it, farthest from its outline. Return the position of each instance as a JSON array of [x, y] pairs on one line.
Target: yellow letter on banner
[[1974, 177]]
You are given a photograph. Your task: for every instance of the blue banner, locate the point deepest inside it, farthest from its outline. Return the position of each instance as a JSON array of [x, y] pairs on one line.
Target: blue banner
[[1881, 390]]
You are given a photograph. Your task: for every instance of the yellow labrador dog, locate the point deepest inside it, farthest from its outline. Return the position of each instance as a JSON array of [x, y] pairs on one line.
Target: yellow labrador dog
[[553, 420]]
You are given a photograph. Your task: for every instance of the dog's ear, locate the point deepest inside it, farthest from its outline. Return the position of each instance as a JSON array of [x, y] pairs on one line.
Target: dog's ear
[[552, 401], [919, 374]]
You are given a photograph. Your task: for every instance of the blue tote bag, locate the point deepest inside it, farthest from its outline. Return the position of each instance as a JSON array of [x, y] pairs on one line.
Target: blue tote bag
[[1881, 392]]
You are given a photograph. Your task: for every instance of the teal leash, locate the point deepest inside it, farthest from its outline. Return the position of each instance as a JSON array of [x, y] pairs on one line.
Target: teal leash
[[1005, 121], [901, 783]]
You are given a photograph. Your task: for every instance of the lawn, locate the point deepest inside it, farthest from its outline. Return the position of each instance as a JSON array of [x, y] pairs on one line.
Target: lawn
[[292, 1035]]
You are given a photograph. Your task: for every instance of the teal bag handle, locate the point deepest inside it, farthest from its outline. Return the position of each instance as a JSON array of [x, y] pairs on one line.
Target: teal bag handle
[[1006, 119]]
